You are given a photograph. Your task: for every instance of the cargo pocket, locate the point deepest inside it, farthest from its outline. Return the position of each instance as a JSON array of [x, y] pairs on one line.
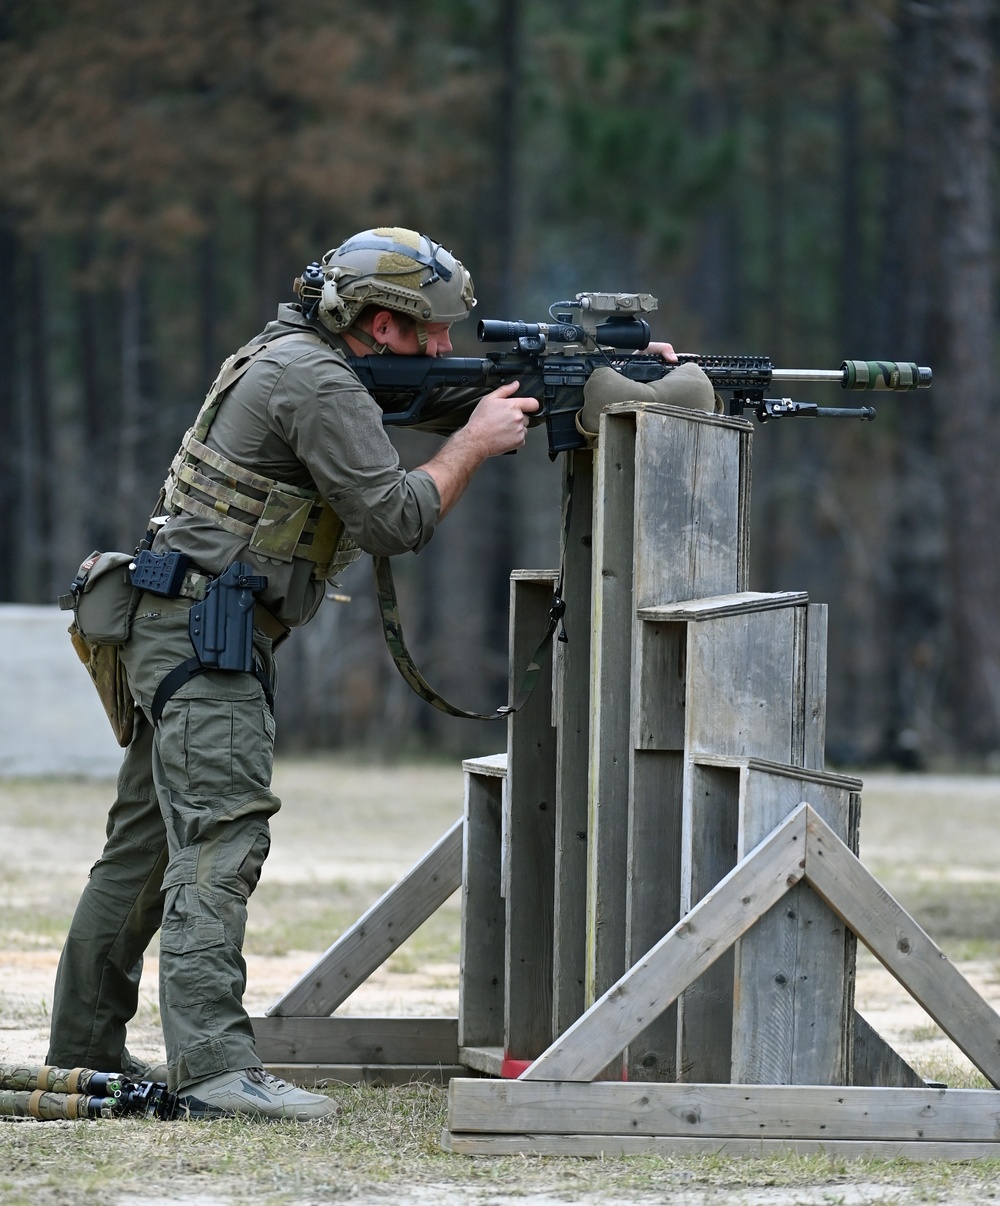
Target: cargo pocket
[[217, 740]]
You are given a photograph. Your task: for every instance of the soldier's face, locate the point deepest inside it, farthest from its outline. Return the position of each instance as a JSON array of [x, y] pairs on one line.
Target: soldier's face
[[403, 340]]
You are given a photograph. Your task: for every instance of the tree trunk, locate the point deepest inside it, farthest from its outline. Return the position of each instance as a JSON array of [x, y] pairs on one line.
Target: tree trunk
[[967, 390], [915, 723], [9, 312]]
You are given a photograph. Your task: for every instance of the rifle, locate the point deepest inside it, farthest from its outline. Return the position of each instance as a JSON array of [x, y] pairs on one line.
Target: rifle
[[553, 361]]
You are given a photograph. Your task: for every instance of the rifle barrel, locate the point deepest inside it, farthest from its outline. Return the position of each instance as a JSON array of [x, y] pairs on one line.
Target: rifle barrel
[[833, 376]]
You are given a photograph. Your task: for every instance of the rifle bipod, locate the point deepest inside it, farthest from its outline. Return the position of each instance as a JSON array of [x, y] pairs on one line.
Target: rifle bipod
[[45, 1092]]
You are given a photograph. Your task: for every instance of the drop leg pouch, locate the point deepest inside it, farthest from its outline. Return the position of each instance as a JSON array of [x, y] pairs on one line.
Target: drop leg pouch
[[103, 601]]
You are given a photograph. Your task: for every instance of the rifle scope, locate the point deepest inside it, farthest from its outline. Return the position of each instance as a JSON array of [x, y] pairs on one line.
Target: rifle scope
[[623, 332]]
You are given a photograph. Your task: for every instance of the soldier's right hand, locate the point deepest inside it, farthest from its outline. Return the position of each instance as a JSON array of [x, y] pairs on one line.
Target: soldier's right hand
[[500, 421]]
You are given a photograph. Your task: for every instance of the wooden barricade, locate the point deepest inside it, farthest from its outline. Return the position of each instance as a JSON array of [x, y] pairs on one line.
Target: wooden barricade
[[661, 894]]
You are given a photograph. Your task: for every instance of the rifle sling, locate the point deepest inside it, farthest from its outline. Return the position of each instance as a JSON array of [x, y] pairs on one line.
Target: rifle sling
[[393, 631]]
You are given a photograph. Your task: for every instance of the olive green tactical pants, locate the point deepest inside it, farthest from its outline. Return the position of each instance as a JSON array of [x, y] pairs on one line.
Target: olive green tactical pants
[[186, 839]]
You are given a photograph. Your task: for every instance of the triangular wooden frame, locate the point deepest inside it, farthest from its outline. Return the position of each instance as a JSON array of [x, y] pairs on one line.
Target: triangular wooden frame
[[802, 849]]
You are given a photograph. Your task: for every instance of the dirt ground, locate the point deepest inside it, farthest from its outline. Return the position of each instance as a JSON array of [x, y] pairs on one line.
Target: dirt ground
[[347, 831]]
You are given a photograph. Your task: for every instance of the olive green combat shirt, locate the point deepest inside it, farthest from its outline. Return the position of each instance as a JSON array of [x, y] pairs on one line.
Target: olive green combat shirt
[[301, 416]]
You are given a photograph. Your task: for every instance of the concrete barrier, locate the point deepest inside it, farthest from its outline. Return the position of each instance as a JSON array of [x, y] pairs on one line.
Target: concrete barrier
[[51, 721]]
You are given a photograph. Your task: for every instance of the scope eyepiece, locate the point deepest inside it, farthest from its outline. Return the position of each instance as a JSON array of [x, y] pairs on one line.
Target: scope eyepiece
[[626, 333]]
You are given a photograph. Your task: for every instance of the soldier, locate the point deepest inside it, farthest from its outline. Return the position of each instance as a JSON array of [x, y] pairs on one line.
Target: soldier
[[287, 471]]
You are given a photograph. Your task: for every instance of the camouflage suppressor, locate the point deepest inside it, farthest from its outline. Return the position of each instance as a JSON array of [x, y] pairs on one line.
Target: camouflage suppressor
[[47, 1107], [553, 361], [49, 1079], [45, 1092]]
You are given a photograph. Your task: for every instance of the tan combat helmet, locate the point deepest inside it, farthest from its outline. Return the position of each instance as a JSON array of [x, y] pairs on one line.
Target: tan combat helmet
[[390, 267]]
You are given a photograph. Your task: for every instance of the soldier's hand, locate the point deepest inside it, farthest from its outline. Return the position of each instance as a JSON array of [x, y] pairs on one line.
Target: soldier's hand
[[666, 350], [500, 420]]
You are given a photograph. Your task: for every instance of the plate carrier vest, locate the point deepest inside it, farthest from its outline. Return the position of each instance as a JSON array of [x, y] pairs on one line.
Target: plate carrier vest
[[288, 521]]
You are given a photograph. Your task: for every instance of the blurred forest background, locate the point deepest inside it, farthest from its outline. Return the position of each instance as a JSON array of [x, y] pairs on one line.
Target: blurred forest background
[[806, 179]]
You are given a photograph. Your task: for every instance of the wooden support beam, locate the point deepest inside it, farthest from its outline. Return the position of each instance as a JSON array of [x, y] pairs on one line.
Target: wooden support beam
[[899, 943], [613, 610], [375, 935], [356, 1040], [481, 956], [693, 945], [750, 1112], [572, 719], [530, 826]]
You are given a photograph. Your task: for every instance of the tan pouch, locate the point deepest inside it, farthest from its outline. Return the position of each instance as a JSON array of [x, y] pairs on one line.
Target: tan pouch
[[107, 670], [103, 601]]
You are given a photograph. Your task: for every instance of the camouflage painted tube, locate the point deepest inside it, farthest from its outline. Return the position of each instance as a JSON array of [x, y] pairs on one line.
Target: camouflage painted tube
[[885, 375], [49, 1106], [62, 1080]]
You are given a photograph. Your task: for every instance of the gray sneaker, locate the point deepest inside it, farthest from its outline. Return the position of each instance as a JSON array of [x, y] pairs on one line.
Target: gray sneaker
[[255, 1093]]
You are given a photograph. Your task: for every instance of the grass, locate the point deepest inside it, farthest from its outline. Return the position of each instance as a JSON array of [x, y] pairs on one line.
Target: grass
[[383, 1142], [345, 833]]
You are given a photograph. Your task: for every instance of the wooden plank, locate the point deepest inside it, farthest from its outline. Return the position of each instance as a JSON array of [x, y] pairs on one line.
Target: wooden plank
[[795, 968], [654, 892], [756, 1112], [742, 677], [482, 1059], [693, 945], [481, 953], [367, 944], [877, 1064], [814, 751], [688, 516], [465, 1144], [376, 1075], [572, 708], [711, 608], [660, 687], [529, 806], [743, 535], [356, 1040], [798, 773], [610, 694], [490, 765], [709, 852], [896, 940]]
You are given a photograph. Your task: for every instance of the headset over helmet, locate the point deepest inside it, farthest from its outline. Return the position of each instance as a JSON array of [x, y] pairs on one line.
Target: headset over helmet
[[392, 268]]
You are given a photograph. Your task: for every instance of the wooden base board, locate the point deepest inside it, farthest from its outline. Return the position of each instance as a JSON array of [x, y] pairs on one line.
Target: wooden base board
[[465, 1144], [356, 1040], [308, 1076], [567, 1118]]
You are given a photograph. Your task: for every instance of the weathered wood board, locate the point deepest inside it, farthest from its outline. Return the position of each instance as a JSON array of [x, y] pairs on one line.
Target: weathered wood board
[[483, 925], [752, 1112], [529, 831]]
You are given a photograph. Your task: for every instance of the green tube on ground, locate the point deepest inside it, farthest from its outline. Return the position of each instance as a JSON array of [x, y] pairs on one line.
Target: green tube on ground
[[49, 1106]]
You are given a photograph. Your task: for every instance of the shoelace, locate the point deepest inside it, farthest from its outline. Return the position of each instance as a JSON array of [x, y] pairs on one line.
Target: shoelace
[[260, 1077]]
